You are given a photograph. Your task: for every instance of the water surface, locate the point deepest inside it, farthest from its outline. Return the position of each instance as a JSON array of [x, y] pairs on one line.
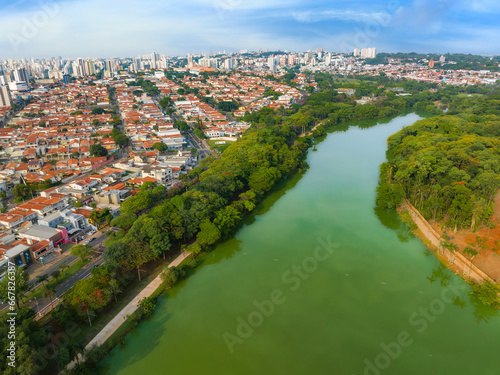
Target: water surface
[[336, 315]]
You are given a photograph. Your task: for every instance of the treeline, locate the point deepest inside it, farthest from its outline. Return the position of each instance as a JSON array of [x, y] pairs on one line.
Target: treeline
[[146, 85], [332, 108], [205, 209], [449, 166]]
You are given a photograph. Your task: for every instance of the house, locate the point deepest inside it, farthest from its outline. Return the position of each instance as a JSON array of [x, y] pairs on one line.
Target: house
[[41, 232], [84, 184], [160, 174]]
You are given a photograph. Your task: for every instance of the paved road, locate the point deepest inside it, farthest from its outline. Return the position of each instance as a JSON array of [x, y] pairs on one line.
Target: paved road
[[204, 149], [83, 273]]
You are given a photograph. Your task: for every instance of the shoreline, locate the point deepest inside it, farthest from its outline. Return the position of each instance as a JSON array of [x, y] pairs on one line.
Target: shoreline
[[454, 261], [122, 317]]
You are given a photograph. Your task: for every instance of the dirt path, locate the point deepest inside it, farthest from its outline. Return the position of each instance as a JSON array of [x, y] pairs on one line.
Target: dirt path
[[311, 131], [454, 260]]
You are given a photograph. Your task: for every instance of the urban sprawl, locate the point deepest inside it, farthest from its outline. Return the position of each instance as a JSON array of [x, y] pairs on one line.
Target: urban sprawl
[[79, 137]]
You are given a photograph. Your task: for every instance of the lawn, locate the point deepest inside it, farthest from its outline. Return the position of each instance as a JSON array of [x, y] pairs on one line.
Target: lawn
[[221, 147]]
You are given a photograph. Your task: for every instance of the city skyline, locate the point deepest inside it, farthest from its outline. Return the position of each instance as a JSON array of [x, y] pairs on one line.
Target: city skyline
[[84, 28]]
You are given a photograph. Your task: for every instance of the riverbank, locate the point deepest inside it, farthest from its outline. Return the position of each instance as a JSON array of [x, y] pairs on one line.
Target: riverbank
[[320, 322], [128, 310], [455, 261]]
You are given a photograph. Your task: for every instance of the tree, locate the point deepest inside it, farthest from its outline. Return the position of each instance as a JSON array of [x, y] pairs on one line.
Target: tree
[[98, 150], [165, 102], [55, 274], [22, 191], [119, 138], [226, 219], [194, 248], [160, 146], [75, 154], [78, 204], [124, 221], [40, 279], [20, 277], [114, 285], [171, 275], [128, 255], [183, 126], [147, 305], [91, 293], [487, 293], [209, 233], [98, 111], [82, 251], [63, 267], [49, 291]]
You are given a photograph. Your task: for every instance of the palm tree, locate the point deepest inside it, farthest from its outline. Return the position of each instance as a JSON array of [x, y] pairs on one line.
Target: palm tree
[[79, 348], [94, 217], [49, 292], [42, 278], [55, 274], [63, 266], [470, 251]]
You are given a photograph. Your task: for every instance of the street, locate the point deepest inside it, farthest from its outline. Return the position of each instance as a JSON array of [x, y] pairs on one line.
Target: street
[[83, 273]]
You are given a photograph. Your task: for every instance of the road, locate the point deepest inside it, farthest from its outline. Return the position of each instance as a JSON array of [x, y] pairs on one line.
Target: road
[[83, 273], [203, 147]]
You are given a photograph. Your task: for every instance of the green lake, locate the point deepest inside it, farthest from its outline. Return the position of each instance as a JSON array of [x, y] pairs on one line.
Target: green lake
[[318, 282]]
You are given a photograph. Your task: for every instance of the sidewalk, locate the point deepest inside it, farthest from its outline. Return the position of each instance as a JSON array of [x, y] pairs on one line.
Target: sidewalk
[[37, 269], [132, 306]]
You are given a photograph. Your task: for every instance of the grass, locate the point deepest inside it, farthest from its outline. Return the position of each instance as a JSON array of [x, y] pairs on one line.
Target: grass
[[68, 272], [67, 246], [221, 147]]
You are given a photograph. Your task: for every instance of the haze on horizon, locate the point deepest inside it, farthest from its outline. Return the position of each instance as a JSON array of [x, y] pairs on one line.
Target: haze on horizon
[[92, 28]]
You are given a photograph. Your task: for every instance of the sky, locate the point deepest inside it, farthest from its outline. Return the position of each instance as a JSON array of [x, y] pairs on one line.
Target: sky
[[124, 28]]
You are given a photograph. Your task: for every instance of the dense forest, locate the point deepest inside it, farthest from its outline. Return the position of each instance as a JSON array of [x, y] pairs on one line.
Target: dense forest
[[447, 166]]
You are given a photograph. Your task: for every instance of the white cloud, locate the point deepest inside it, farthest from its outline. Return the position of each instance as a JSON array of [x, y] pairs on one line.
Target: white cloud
[[341, 15], [485, 6]]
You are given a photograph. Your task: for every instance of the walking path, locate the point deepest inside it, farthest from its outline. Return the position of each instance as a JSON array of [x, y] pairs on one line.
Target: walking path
[[132, 306], [456, 261]]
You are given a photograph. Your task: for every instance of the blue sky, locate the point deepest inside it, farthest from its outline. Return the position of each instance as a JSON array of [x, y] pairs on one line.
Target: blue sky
[[108, 28]]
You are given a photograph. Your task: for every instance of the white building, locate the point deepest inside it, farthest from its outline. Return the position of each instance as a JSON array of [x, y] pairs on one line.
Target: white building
[[5, 98]]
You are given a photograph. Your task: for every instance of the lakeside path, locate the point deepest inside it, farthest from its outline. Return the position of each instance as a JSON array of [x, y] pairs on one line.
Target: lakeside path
[[132, 306], [455, 260]]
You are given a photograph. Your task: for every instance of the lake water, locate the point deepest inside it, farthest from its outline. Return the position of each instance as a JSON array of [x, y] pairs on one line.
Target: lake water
[[318, 282]]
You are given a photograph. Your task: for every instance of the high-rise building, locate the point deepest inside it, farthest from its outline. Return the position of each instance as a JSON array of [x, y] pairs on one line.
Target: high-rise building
[[110, 66], [5, 99], [368, 53], [66, 79], [442, 59], [357, 52], [22, 75], [90, 67], [229, 64], [328, 58], [271, 63]]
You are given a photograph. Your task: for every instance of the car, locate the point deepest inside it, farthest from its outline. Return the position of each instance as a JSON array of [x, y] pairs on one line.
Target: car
[[86, 242]]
